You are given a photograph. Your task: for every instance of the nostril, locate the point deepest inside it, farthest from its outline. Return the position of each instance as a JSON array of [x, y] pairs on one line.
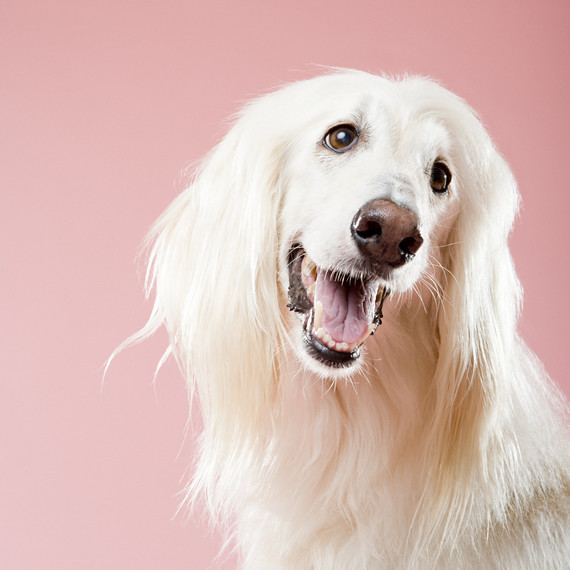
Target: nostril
[[368, 229], [409, 246]]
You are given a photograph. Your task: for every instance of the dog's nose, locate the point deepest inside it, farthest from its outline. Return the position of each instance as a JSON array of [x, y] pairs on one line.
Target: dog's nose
[[386, 233]]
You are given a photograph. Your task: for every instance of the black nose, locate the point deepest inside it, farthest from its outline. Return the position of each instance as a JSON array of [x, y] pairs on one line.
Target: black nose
[[386, 233]]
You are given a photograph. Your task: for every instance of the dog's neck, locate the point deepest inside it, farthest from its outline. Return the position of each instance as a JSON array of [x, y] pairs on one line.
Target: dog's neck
[[385, 404]]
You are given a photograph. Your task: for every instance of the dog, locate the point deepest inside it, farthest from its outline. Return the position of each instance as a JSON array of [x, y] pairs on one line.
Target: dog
[[338, 290]]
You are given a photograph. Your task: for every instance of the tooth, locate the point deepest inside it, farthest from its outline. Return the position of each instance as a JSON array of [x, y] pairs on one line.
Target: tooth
[[318, 315], [311, 289], [379, 294], [310, 268], [323, 336]]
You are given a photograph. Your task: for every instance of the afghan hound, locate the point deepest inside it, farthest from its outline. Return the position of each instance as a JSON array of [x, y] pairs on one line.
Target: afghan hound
[[338, 290]]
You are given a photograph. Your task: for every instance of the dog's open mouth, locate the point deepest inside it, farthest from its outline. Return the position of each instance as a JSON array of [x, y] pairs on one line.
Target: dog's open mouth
[[338, 311]]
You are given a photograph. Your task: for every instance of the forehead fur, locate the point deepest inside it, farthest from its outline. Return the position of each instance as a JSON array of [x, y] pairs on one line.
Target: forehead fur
[[348, 93]]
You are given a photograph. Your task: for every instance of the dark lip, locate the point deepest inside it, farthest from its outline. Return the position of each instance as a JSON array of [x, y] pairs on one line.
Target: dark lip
[[326, 355], [298, 299]]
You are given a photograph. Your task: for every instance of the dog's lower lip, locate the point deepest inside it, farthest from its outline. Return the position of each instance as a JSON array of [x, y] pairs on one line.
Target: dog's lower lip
[[328, 356]]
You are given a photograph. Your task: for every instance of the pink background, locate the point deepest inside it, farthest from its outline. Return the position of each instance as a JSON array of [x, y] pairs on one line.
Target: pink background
[[102, 104]]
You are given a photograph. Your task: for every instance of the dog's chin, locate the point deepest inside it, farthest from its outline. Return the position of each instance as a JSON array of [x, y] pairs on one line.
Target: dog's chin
[[323, 361], [337, 311]]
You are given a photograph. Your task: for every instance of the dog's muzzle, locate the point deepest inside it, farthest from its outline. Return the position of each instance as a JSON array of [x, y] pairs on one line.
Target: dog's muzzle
[[338, 309]]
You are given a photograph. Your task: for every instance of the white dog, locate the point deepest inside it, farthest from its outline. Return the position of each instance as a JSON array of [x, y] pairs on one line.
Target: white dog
[[438, 442]]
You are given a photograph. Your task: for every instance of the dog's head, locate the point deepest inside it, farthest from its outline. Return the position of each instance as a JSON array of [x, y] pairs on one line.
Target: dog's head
[[373, 175], [326, 198]]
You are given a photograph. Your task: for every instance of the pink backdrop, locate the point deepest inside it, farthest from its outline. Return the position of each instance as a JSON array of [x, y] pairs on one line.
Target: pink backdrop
[[102, 104]]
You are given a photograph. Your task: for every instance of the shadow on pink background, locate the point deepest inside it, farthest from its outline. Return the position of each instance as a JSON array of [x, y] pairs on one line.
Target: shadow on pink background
[[102, 105]]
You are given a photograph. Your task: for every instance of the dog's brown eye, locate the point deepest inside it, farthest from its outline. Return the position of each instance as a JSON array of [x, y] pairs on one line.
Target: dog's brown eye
[[440, 177], [341, 138]]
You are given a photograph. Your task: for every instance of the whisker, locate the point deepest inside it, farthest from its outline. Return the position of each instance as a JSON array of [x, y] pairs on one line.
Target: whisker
[[448, 244]]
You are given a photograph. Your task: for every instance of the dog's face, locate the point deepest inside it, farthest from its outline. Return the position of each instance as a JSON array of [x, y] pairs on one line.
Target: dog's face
[[369, 199]]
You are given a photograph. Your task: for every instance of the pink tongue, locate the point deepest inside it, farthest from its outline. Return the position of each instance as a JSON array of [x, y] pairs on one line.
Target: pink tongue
[[348, 308]]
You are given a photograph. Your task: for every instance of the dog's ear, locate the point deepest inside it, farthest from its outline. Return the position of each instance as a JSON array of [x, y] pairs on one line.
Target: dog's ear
[[477, 319], [482, 293], [213, 269], [476, 324]]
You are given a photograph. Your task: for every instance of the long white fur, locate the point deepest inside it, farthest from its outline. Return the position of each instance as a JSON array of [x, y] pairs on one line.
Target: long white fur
[[447, 446]]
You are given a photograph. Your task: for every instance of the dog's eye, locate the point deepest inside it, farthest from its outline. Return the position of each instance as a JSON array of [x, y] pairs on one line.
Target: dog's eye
[[440, 177], [341, 138]]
